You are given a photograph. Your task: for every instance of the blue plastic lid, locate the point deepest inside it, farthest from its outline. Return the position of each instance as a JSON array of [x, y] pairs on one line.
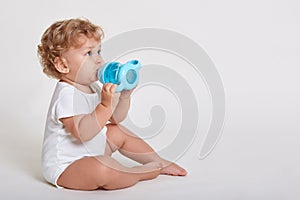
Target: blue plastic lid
[[126, 76]]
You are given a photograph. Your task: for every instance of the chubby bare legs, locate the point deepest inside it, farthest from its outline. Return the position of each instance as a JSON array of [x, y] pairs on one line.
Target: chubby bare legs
[[90, 173], [131, 146]]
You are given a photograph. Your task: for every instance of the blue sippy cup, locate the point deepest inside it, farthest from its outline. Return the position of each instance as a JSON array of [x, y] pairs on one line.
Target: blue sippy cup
[[126, 75]]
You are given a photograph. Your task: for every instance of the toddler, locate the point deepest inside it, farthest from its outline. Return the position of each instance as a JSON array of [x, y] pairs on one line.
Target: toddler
[[83, 122]]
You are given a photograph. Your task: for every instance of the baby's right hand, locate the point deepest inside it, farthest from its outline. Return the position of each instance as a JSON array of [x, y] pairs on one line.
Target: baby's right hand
[[107, 94]]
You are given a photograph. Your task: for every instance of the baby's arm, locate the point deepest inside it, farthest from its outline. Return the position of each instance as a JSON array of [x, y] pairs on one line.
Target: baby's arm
[[122, 107], [85, 127]]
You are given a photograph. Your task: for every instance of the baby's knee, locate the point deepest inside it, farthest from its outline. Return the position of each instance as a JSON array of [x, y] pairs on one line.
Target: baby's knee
[[115, 134]]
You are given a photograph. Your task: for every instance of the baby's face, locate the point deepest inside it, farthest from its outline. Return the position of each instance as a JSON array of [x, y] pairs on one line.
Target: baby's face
[[84, 62]]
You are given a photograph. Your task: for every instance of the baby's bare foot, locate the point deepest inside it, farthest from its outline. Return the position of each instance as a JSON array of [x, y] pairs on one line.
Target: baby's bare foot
[[173, 169]]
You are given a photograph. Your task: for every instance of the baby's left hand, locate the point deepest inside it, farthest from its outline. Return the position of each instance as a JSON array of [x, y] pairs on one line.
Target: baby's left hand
[[125, 94]]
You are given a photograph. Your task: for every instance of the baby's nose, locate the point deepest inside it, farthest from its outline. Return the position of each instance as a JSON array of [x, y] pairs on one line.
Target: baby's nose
[[99, 60]]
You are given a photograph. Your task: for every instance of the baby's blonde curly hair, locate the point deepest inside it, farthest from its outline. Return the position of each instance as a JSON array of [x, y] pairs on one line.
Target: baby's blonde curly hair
[[62, 35]]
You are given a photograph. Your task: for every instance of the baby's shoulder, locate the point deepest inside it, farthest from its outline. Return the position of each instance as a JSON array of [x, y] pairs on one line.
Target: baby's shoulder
[[62, 89]]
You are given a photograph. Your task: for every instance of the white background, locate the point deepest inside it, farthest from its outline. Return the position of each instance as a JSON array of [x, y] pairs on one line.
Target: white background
[[255, 47]]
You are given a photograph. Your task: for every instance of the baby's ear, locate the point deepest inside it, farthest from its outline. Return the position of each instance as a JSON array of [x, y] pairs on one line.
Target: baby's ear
[[60, 66]]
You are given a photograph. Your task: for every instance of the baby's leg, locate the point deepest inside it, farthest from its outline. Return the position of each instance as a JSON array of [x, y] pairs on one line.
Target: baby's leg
[[91, 173], [120, 138]]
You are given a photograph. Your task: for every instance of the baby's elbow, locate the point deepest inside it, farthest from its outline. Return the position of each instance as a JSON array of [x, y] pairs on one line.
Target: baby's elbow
[[82, 137], [85, 136], [115, 121]]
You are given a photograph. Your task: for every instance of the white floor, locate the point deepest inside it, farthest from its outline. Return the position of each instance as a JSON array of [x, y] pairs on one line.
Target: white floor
[[242, 166]]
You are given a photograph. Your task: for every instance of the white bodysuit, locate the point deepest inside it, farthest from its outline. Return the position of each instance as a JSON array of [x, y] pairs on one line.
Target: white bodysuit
[[60, 148]]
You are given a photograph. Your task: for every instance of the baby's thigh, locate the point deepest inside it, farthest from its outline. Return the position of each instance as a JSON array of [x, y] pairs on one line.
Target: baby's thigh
[[87, 173]]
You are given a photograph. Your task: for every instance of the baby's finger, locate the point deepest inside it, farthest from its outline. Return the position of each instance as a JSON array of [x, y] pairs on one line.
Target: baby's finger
[[106, 87], [110, 88], [113, 88]]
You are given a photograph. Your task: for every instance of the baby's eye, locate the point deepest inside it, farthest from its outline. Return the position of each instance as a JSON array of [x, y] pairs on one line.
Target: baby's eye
[[99, 52], [89, 53]]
